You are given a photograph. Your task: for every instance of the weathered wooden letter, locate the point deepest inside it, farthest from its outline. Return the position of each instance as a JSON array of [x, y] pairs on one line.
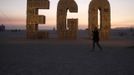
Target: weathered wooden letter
[[104, 7], [33, 19], [62, 26]]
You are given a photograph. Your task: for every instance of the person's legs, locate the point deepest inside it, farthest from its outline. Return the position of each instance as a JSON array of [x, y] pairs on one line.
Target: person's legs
[[93, 46], [99, 45]]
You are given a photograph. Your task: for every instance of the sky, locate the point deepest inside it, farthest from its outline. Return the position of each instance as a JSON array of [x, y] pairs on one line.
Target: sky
[[13, 13]]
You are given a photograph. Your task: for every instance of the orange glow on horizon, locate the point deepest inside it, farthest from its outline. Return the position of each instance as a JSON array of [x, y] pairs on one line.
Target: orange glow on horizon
[[15, 13]]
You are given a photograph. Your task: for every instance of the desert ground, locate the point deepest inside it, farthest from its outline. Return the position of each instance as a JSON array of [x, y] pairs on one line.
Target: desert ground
[[19, 56]]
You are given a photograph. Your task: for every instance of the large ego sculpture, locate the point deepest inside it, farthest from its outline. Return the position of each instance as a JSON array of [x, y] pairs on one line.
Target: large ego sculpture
[[67, 28]]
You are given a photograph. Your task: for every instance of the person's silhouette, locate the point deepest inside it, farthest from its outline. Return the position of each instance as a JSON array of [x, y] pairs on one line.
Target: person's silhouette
[[95, 35]]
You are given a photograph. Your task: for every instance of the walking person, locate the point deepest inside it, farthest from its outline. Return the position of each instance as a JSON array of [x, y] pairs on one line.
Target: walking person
[[95, 39]]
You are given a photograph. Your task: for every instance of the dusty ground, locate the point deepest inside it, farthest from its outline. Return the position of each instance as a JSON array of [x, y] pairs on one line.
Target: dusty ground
[[54, 57]]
